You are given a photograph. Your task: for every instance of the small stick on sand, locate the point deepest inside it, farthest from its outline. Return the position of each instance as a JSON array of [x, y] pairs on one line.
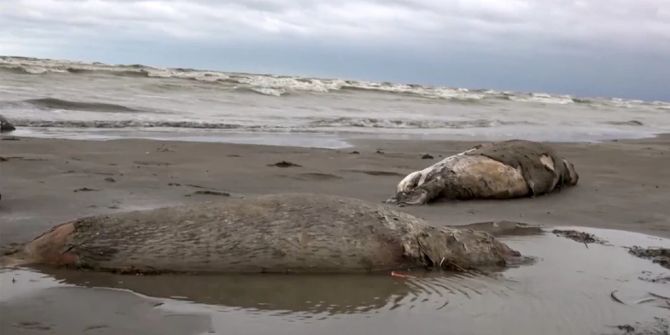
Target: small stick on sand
[[615, 298], [659, 296]]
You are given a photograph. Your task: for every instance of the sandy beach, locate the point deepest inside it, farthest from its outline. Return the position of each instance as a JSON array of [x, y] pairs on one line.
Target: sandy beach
[[623, 186]]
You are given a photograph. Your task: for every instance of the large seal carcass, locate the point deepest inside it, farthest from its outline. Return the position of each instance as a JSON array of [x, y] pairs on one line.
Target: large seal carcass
[[500, 170], [288, 233]]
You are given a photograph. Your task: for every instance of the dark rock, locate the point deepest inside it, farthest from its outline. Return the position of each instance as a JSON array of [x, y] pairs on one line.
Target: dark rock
[[5, 126], [427, 156], [110, 180]]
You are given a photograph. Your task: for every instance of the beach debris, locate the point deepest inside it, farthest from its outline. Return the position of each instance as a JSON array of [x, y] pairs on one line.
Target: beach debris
[[5, 126], [659, 326], [285, 164], [427, 156], [379, 151], [660, 256], [649, 276], [196, 186], [499, 170], [655, 295], [614, 297], [355, 153], [626, 328], [32, 325], [208, 192], [110, 180], [578, 236], [93, 327], [85, 189], [164, 148]]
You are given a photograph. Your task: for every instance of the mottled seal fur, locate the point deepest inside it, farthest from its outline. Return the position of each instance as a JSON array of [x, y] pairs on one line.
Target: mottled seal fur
[[508, 169], [275, 233]]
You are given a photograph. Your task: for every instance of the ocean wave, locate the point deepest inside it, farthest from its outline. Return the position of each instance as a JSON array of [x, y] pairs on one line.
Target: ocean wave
[[115, 124], [279, 86], [275, 92], [54, 103], [454, 94], [543, 98], [634, 123], [304, 124], [345, 122]]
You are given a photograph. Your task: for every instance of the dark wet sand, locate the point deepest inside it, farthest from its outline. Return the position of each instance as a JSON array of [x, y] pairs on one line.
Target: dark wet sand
[[624, 185]]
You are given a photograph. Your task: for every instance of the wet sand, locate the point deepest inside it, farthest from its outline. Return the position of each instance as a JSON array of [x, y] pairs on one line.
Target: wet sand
[[623, 185]]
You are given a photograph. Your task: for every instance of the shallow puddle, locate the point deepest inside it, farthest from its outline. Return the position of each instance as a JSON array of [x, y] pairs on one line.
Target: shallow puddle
[[570, 288]]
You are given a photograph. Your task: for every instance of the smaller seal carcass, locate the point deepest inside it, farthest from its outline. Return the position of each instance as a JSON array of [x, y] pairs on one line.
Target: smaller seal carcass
[[501, 170]]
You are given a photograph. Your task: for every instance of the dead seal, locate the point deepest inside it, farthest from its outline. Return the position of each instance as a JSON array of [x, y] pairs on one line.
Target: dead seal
[[501, 170], [283, 233]]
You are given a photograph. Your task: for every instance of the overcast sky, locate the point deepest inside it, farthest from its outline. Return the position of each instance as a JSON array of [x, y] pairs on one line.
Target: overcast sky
[[583, 47]]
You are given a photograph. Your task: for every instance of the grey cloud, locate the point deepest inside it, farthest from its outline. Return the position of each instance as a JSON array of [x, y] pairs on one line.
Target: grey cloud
[[441, 40], [617, 21]]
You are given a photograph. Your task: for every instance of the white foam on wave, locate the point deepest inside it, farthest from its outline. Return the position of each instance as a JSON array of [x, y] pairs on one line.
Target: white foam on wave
[[271, 84], [543, 98], [207, 76]]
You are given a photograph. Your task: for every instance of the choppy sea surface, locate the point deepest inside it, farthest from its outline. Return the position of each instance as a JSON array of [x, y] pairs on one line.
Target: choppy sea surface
[[54, 98]]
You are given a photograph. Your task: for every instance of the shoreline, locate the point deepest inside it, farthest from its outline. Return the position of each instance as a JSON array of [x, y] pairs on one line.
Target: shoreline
[[325, 140], [49, 181]]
